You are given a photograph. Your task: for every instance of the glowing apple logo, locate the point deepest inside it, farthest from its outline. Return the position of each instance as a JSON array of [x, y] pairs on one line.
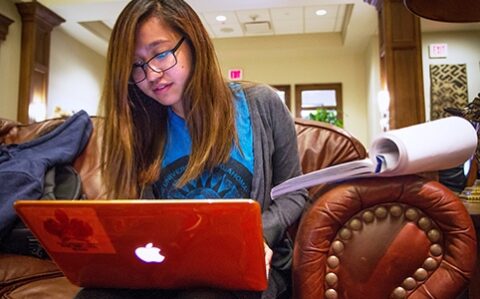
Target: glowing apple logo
[[149, 254]]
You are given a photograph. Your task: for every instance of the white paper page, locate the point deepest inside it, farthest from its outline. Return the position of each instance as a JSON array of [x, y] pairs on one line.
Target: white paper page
[[431, 146], [330, 174]]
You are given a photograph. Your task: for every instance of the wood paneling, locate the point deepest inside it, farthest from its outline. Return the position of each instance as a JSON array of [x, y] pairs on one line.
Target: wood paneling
[[401, 62], [37, 24], [4, 23]]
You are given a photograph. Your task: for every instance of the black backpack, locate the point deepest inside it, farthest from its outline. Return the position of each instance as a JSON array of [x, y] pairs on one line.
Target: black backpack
[[60, 182]]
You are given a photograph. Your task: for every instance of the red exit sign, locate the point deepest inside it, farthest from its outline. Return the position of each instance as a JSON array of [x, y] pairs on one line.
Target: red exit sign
[[235, 74]]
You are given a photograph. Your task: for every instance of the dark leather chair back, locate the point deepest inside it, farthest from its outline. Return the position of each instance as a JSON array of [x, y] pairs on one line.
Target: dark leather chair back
[[393, 237], [321, 145]]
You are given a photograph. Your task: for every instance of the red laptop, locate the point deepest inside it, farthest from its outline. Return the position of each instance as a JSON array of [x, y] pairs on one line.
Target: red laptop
[[161, 244]]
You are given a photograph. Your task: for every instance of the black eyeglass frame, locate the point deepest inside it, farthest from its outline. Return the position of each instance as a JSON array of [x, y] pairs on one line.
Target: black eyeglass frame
[[145, 64]]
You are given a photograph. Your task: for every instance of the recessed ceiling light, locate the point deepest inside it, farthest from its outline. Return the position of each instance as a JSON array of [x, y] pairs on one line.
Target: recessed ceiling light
[[321, 12], [221, 18]]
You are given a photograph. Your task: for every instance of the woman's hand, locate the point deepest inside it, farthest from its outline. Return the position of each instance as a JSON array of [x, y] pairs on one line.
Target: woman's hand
[[268, 257]]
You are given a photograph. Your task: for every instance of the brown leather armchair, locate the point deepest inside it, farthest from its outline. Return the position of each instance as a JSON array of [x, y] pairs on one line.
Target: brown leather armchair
[[368, 238], [385, 238], [378, 237]]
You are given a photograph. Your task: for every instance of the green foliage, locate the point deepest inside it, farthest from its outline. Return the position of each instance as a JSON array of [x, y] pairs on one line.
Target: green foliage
[[327, 116]]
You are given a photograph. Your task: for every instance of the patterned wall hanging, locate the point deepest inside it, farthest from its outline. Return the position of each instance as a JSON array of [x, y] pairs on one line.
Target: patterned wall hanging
[[448, 88]]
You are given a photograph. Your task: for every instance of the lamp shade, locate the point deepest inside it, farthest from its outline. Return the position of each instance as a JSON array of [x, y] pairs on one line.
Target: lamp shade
[[455, 11]]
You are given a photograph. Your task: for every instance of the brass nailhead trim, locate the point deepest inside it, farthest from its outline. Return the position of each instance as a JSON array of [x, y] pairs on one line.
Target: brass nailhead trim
[[333, 261], [425, 223], [396, 211], [421, 274], [345, 234], [399, 293], [368, 216], [331, 279], [356, 224], [433, 235], [430, 264], [338, 247], [381, 212], [411, 214], [409, 283], [436, 250], [331, 294]]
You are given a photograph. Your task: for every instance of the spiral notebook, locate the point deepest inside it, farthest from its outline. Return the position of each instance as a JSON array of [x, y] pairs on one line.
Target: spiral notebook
[[165, 244]]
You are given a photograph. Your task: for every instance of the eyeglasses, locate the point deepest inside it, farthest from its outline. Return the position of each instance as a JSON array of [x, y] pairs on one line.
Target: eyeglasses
[[159, 63]]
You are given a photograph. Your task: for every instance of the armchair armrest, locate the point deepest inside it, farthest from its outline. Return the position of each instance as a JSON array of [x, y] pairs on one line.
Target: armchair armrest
[[393, 237]]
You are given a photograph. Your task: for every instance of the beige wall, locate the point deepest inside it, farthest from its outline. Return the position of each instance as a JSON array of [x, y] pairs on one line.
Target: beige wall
[[373, 87], [76, 72], [76, 75], [463, 48], [10, 62], [297, 59]]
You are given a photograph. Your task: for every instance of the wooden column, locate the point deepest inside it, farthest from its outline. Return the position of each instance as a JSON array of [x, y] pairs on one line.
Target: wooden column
[[401, 62], [4, 23], [37, 24]]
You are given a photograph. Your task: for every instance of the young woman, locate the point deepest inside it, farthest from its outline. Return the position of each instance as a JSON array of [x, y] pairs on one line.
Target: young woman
[[174, 124]]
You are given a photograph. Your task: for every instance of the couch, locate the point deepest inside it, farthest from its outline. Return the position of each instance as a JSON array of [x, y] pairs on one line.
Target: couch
[[367, 238]]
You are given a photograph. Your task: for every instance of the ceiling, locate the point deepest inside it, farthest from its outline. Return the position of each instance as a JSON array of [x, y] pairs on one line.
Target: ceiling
[[90, 21]]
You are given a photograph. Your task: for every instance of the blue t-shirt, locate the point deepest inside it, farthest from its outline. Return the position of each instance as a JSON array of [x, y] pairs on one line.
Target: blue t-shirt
[[230, 180]]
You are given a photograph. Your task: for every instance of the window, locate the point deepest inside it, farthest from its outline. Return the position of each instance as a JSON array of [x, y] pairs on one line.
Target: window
[[310, 97], [283, 92]]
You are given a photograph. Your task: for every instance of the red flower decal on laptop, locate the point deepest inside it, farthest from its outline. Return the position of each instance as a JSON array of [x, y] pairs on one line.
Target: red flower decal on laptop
[[73, 233]]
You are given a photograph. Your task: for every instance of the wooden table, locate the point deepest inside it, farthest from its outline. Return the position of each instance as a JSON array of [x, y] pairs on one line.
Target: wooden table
[[474, 289]]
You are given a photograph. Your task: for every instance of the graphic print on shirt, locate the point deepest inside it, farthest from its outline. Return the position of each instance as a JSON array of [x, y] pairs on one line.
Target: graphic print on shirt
[[229, 180]]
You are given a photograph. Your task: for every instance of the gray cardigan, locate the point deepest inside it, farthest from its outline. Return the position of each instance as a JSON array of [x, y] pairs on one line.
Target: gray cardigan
[[276, 160]]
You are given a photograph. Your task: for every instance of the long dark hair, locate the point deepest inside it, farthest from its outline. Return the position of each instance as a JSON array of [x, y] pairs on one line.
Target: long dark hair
[[135, 125]]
